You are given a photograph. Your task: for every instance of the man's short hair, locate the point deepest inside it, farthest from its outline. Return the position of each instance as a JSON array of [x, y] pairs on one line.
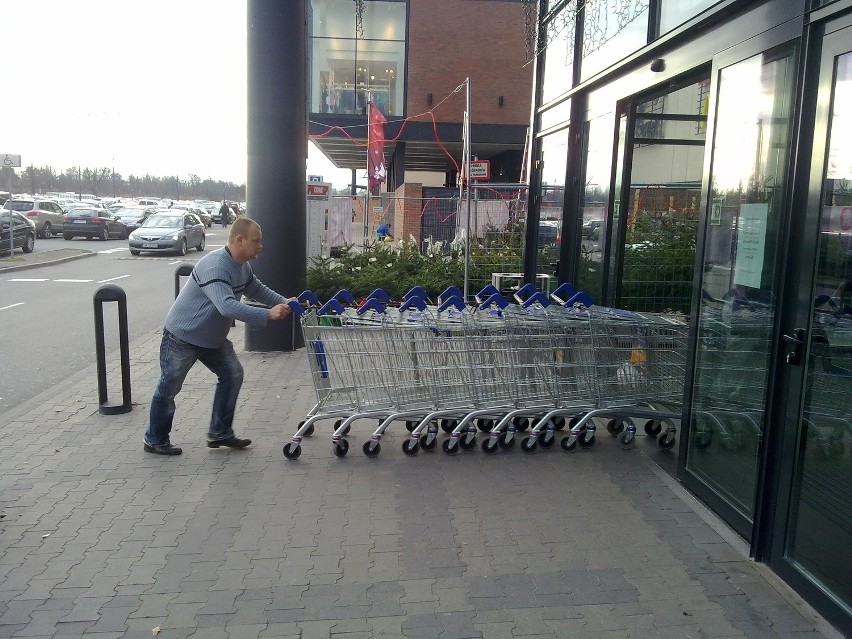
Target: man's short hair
[[241, 226]]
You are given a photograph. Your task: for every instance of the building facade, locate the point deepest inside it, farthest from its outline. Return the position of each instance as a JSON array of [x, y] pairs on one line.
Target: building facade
[[695, 155], [410, 59]]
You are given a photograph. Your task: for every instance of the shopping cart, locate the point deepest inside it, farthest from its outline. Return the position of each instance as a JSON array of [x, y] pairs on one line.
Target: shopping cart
[[639, 365], [732, 365]]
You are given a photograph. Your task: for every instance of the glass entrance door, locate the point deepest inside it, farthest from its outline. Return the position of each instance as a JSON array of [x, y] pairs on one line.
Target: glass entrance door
[[816, 529], [740, 280]]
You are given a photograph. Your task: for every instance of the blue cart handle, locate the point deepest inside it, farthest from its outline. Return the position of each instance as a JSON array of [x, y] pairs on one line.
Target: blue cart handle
[[486, 292], [496, 299], [332, 307], [379, 294], [298, 309], [371, 304], [579, 298], [525, 291], [563, 293], [539, 297], [416, 302], [417, 291], [344, 296], [310, 298], [454, 301], [451, 291]]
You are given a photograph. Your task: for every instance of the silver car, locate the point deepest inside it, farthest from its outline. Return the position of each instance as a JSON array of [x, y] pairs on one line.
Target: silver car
[[48, 216], [168, 233]]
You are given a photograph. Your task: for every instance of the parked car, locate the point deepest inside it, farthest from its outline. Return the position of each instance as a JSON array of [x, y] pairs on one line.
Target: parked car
[[591, 229], [47, 214], [133, 216], [548, 233], [23, 231], [175, 232], [217, 219], [92, 223], [192, 207]]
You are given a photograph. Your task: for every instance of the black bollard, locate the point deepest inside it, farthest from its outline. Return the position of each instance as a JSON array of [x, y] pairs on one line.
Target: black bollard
[[112, 293], [182, 269]]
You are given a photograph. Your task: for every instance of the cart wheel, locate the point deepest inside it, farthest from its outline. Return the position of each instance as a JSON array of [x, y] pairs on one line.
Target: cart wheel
[[410, 447], [310, 431], [521, 423], [371, 448], [410, 425], [653, 427], [529, 444], [292, 450], [614, 427], [505, 441], [449, 425], [484, 424], [341, 447], [703, 439], [450, 446], [428, 441], [489, 446], [559, 422], [573, 422], [587, 439], [468, 440], [339, 423], [568, 444], [666, 440], [547, 438], [627, 440]]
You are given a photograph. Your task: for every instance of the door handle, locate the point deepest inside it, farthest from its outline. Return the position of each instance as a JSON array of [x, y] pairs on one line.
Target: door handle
[[796, 342]]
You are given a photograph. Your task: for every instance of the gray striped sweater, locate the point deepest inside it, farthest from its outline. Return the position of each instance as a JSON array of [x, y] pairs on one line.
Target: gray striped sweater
[[202, 313]]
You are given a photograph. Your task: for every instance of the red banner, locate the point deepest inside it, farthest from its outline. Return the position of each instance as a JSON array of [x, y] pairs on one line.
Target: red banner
[[376, 172]]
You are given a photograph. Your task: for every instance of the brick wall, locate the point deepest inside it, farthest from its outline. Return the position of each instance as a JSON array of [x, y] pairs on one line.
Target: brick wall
[[406, 218], [450, 40]]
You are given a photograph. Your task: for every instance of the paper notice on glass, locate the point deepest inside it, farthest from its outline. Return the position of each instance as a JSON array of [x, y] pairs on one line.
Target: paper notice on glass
[[751, 242]]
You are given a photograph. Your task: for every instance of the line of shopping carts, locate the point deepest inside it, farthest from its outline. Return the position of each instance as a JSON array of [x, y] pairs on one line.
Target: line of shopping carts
[[538, 364]]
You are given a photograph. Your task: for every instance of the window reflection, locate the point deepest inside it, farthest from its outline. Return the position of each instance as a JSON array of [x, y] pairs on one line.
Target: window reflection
[[610, 34], [554, 154], [593, 212], [737, 310], [821, 516]]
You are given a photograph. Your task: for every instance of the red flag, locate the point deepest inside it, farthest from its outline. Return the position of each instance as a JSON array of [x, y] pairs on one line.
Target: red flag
[[376, 173]]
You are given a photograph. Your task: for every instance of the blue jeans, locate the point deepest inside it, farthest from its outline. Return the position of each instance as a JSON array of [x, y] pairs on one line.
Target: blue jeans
[[176, 358]]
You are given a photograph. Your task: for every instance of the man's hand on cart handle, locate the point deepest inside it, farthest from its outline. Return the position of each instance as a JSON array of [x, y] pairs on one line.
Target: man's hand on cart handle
[[279, 311]]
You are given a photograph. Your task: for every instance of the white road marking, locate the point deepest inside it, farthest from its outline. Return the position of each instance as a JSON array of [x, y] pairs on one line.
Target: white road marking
[[75, 281], [114, 250], [120, 277], [28, 279], [12, 306]]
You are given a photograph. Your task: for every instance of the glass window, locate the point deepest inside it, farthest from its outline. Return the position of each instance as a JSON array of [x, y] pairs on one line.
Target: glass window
[[558, 56], [610, 35], [560, 114], [597, 173], [821, 517], [347, 72], [554, 159], [665, 191], [675, 12], [738, 301], [383, 21]]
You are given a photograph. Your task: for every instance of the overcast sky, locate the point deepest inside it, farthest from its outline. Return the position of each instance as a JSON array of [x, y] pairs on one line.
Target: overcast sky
[[155, 86]]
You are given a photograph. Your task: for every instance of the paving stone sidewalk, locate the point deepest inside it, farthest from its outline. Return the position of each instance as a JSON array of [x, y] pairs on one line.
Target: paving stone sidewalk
[[99, 539]]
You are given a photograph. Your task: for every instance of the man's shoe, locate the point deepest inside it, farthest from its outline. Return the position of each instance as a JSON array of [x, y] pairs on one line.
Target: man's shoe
[[231, 442], [165, 449]]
